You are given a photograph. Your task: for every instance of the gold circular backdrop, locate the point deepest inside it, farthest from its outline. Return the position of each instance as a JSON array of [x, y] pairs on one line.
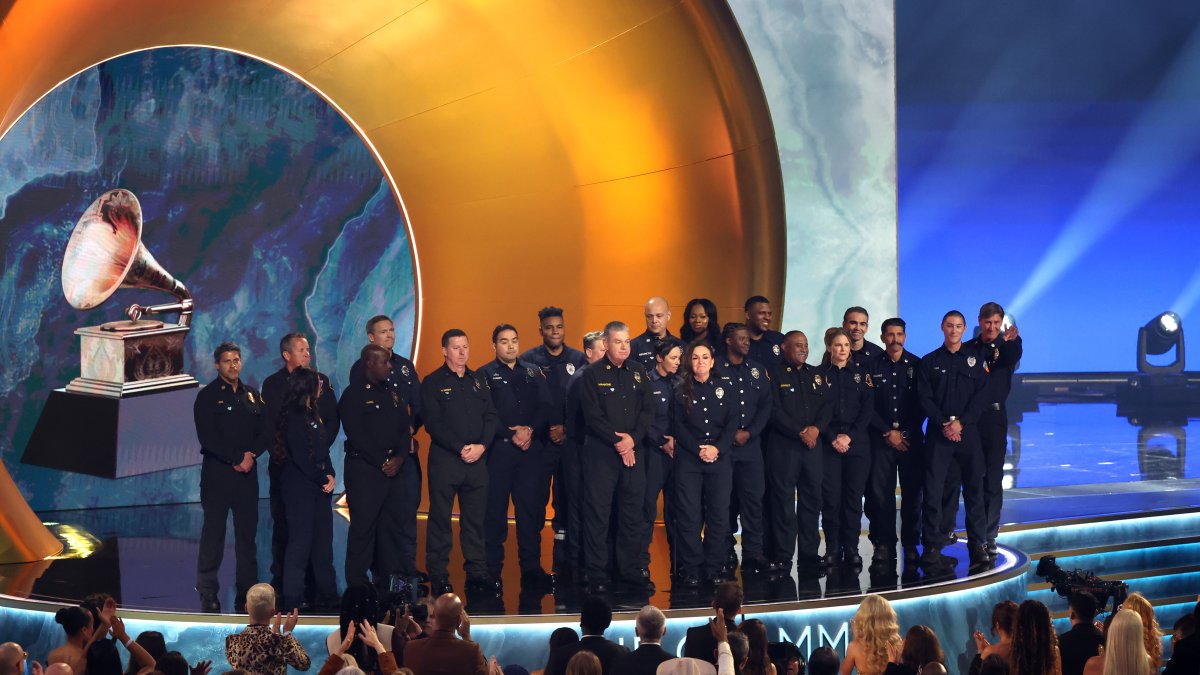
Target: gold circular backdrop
[[585, 154]]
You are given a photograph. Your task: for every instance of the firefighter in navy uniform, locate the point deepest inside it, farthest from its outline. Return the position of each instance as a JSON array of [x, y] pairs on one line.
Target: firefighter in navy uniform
[[660, 452], [618, 408], [750, 391], [307, 480], [705, 422], [862, 351], [643, 347], [766, 345], [461, 419], [382, 473], [575, 431], [231, 428], [897, 442], [952, 385], [1001, 349], [800, 412], [295, 352], [558, 362], [516, 468], [382, 332], [847, 461]]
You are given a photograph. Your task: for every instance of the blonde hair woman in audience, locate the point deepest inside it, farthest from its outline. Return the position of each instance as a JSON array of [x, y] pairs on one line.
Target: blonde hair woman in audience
[[873, 631], [1151, 633], [1124, 652]]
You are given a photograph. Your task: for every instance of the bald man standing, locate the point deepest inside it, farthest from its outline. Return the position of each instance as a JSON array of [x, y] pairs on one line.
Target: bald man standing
[[442, 653], [12, 660], [642, 347]]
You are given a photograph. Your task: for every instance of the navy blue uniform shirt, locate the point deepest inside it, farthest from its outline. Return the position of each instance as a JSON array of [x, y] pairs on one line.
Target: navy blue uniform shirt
[[1002, 357], [377, 421], [851, 406], [230, 423], [751, 392], [558, 371], [768, 350], [896, 402], [404, 377], [458, 410], [643, 347], [663, 390], [308, 442], [952, 384], [521, 396], [705, 417], [616, 398], [798, 400], [868, 353]]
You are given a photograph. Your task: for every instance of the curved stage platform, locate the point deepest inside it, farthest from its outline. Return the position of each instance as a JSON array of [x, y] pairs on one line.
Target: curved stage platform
[[1148, 536]]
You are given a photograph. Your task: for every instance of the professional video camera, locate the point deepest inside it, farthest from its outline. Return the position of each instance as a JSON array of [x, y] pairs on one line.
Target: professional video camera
[[1066, 583]]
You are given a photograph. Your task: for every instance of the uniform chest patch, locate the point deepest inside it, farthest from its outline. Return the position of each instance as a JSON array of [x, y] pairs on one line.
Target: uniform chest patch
[[637, 377], [775, 349], [857, 378], [250, 395], [404, 370], [817, 379], [971, 361], [754, 373], [720, 392], [570, 368], [910, 371], [531, 372]]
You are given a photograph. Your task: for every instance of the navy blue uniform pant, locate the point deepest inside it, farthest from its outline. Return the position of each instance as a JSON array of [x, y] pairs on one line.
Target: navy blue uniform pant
[[967, 454], [310, 539], [880, 501], [794, 474], [842, 487], [746, 501], [702, 504], [383, 520], [522, 476], [660, 478], [611, 487], [223, 490]]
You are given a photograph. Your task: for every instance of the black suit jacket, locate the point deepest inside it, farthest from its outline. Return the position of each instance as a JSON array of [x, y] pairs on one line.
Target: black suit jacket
[[642, 661], [606, 650], [701, 645], [1186, 657], [1078, 645]]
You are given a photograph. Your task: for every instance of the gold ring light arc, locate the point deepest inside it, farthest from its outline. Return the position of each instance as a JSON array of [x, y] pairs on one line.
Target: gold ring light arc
[[587, 153]]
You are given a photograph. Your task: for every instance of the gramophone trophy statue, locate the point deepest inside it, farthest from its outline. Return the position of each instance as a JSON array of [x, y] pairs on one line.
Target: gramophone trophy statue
[[123, 358], [129, 412]]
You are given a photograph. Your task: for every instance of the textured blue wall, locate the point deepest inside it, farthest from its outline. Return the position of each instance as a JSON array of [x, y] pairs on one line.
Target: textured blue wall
[[256, 194]]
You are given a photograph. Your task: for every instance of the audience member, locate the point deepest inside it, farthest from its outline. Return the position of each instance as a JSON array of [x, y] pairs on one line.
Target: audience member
[[873, 633], [594, 618], [1185, 654], [1151, 633], [1004, 620], [919, 651], [1184, 626], [1035, 645], [13, 658], [1124, 651], [823, 661], [77, 623], [686, 666], [786, 658], [650, 627], [442, 653], [340, 660], [52, 669], [360, 603], [561, 636], [174, 663], [103, 658], [154, 644], [266, 646], [1083, 640], [699, 643], [994, 665], [739, 653], [584, 663], [757, 661]]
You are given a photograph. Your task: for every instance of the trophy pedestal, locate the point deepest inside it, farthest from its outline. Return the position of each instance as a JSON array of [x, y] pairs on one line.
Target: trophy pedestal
[[130, 358], [115, 437]]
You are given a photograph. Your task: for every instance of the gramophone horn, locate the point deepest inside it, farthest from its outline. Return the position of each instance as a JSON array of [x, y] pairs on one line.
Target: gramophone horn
[[106, 253]]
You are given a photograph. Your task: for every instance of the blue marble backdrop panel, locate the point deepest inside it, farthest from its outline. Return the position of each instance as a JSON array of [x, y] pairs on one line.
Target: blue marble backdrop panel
[[256, 193]]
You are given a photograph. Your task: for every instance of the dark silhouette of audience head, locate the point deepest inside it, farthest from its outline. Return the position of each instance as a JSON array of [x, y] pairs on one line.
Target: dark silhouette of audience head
[[595, 616], [824, 661]]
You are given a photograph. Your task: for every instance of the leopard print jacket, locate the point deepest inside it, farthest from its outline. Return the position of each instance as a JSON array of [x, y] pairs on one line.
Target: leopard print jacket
[[261, 651]]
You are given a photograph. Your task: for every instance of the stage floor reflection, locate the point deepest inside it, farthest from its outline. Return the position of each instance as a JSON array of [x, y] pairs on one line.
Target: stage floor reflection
[[146, 557]]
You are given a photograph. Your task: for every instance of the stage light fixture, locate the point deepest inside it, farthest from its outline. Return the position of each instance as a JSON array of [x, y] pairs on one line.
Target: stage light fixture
[[1159, 336]]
